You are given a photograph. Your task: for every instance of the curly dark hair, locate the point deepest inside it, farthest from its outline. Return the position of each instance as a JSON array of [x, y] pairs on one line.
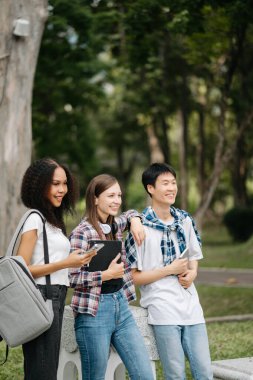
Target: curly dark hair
[[35, 185]]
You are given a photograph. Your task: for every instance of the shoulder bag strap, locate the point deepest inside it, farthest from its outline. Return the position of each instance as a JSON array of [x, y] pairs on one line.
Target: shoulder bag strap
[[13, 242], [10, 250], [46, 260]]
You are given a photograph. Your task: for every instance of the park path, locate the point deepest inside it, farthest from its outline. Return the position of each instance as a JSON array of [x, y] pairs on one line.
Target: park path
[[225, 277], [228, 278]]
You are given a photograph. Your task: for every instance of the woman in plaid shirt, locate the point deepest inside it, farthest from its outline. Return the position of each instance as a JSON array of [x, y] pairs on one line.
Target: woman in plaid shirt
[[100, 299]]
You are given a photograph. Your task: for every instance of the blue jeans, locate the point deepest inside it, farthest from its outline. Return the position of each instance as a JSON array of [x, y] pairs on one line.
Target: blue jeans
[[176, 342], [113, 324]]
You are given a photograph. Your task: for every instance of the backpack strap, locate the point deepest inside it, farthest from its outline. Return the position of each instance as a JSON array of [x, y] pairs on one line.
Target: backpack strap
[[46, 260], [6, 353], [11, 247], [13, 242]]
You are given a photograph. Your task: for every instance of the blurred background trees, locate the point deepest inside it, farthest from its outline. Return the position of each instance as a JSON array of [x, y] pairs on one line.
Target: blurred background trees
[[120, 84]]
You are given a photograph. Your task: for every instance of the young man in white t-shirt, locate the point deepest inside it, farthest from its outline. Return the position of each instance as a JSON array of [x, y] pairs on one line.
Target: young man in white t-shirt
[[166, 281]]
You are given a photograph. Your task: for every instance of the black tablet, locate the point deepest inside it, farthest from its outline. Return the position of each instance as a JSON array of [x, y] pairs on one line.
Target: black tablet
[[105, 255]]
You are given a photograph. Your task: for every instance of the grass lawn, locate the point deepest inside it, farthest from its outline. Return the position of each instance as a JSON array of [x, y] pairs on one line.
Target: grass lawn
[[227, 340], [220, 301]]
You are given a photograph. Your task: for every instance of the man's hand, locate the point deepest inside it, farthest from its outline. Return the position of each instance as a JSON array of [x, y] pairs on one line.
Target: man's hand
[[178, 266], [187, 278]]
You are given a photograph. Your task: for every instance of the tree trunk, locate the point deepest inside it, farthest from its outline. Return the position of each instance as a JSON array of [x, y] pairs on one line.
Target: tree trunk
[[125, 168], [224, 155], [239, 175], [156, 154], [220, 163], [161, 129], [18, 57], [201, 148], [183, 188]]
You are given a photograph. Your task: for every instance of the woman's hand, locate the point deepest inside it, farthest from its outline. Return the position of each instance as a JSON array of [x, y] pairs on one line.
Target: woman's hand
[[137, 230], [79, 258], [114, 270]]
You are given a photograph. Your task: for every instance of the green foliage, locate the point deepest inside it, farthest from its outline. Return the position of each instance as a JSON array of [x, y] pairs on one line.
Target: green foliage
[[137, 196], [64, 96], [239, 223], [108, 74]]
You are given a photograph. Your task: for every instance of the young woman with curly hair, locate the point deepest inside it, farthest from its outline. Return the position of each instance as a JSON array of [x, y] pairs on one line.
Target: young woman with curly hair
[[50, 188]]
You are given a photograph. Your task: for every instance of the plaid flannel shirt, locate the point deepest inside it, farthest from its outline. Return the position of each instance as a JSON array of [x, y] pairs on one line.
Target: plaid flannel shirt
[[87, 285]]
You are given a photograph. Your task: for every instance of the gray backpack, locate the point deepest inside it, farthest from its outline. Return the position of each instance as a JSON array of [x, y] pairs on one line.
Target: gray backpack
[[24, 313]]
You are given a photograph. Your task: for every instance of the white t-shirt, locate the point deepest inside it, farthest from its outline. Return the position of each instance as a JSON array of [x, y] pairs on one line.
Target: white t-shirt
[[168, 303], [58, 249]]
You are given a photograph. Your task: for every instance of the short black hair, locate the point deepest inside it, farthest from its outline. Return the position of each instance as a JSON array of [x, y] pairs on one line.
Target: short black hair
[[149, 176]]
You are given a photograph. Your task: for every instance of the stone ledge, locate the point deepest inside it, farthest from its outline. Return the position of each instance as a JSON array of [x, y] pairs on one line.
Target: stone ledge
[[68, 341], [141, 318], [233, 369]]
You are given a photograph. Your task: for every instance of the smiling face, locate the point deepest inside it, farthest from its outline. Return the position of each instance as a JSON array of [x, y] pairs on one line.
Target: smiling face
[[164, 191], [109, 202], [58, 188]]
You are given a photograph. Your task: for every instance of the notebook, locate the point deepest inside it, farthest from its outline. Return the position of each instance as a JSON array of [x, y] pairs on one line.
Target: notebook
[[105, 255]]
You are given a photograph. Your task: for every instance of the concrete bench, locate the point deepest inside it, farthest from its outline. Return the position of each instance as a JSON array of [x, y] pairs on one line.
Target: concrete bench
[[70, 365], [69, 362], [233, 369]]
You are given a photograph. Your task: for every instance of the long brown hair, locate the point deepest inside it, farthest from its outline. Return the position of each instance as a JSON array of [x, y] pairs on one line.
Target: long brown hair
[[97, 186]]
